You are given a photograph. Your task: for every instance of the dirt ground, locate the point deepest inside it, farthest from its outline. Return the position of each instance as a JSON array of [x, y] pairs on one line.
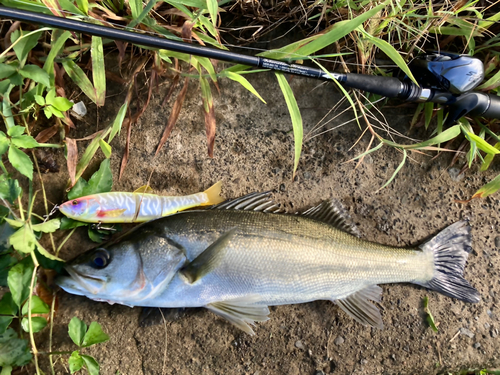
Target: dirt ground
[[253, 152]]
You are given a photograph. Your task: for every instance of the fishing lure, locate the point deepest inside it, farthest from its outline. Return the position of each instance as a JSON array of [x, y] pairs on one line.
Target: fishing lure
[[136, 207]]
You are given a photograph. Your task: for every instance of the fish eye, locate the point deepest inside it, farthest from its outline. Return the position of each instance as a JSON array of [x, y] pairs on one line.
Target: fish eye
[[75, 202], [100, 259]]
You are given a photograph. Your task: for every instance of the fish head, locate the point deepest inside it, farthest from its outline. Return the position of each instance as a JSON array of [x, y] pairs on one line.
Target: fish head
[[83, 208], [111, 274], [129, 272]]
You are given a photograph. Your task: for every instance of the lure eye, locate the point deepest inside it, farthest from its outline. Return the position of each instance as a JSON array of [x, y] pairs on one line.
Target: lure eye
[[100, 259], [74, 203]]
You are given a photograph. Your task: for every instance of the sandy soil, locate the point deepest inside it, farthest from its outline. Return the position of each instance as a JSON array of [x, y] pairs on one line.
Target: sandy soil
[[253, 152]]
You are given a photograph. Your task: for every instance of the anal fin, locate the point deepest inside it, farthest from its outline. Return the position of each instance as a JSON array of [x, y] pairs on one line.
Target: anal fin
[[241, 312], [357, 306]]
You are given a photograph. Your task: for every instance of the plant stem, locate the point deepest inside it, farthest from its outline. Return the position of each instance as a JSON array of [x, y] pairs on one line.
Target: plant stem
[[64, 241], [52, 310], [32, 339]]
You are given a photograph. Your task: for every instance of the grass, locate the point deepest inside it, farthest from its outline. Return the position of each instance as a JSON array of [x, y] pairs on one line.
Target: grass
[[349, 35]]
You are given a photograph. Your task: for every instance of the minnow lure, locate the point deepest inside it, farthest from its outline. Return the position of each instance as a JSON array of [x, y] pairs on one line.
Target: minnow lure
[[136, 207]]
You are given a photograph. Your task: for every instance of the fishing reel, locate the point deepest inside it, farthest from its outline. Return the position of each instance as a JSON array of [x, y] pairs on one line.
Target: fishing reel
[[450, 72]]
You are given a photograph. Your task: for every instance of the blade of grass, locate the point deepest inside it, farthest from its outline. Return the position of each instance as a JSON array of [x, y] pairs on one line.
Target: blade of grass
[[244, 82], [117, 124], [79, 77], [396, 171], [208, 106], [293, 109], [488, 189], [98, 72]]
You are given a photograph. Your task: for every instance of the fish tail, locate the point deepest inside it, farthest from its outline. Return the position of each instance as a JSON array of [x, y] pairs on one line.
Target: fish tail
[[213, 194], [451, 248]]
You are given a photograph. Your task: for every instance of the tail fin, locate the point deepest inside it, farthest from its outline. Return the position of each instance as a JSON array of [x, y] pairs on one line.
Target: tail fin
[[451, 248], [213, 194]]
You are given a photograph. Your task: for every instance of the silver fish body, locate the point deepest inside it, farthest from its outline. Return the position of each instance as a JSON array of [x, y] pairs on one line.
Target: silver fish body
[[238, 262]]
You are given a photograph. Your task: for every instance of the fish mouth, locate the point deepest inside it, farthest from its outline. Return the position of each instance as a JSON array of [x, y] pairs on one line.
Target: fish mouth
[[80, 284]]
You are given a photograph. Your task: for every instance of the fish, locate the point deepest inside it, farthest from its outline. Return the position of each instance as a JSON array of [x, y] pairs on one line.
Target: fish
[[241, 257], [139, 206]]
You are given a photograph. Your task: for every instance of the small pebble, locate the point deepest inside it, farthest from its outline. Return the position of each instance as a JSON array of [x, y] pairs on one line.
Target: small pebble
[[339, 340], [307, 176], [476, 345], [282, 187], [497, 242], [493, 333], [486, 325], [455, 174], [299, 345], [466, 332], [319, 372]]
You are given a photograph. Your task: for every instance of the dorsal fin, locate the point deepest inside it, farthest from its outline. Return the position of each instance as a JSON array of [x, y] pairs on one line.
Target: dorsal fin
[[331, 212], [262, 202]]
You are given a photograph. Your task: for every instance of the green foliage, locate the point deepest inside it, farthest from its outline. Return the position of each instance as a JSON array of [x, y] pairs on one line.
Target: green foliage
[[100, 182], [429, 318], [83, 337], [13, 141]]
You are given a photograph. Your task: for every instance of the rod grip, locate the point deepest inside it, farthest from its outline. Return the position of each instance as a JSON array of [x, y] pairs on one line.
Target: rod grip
[[390, 87]]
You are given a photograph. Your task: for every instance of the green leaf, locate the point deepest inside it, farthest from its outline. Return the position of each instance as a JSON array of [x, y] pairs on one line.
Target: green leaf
[[19, 279], [101, 181], [92, 365], [4, 143], [244, 82], [14, 223], [7, 305], [13, 351], [21, 162], [47, 112], [88, 155], [75, 362], [25, 141], [397, 170], [35, 73], [83, 5], [391, 52], [94, 335], [78, 76], [39, 100], [37, 306], [488, 189], [293, 108], [117, 123], [105, 147], [48, 226], [429, 109], [67, 223], [6, 70], [311, 45], [25, 45], [489, 158], [98, 72], [16, 131], [56, 45], [77, 191], [9, 189], [445, 136], [48, 263], [62, 104], [482, 144], [37, 323], [212, 7], [97, 236], [429, 317], [23, 240], [135, 8], [46, 254], [4, 323], [76, 330]]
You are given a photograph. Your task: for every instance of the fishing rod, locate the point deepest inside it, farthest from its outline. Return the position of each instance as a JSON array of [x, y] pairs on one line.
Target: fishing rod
[[444, 78]]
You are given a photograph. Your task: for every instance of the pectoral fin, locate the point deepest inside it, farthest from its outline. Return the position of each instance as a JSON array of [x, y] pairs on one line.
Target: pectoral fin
[[358, 307], [241, 312], [209, 259]]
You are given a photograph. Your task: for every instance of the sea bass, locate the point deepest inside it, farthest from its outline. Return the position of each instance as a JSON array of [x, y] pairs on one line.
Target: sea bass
[[136, 207], [238, 259]]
